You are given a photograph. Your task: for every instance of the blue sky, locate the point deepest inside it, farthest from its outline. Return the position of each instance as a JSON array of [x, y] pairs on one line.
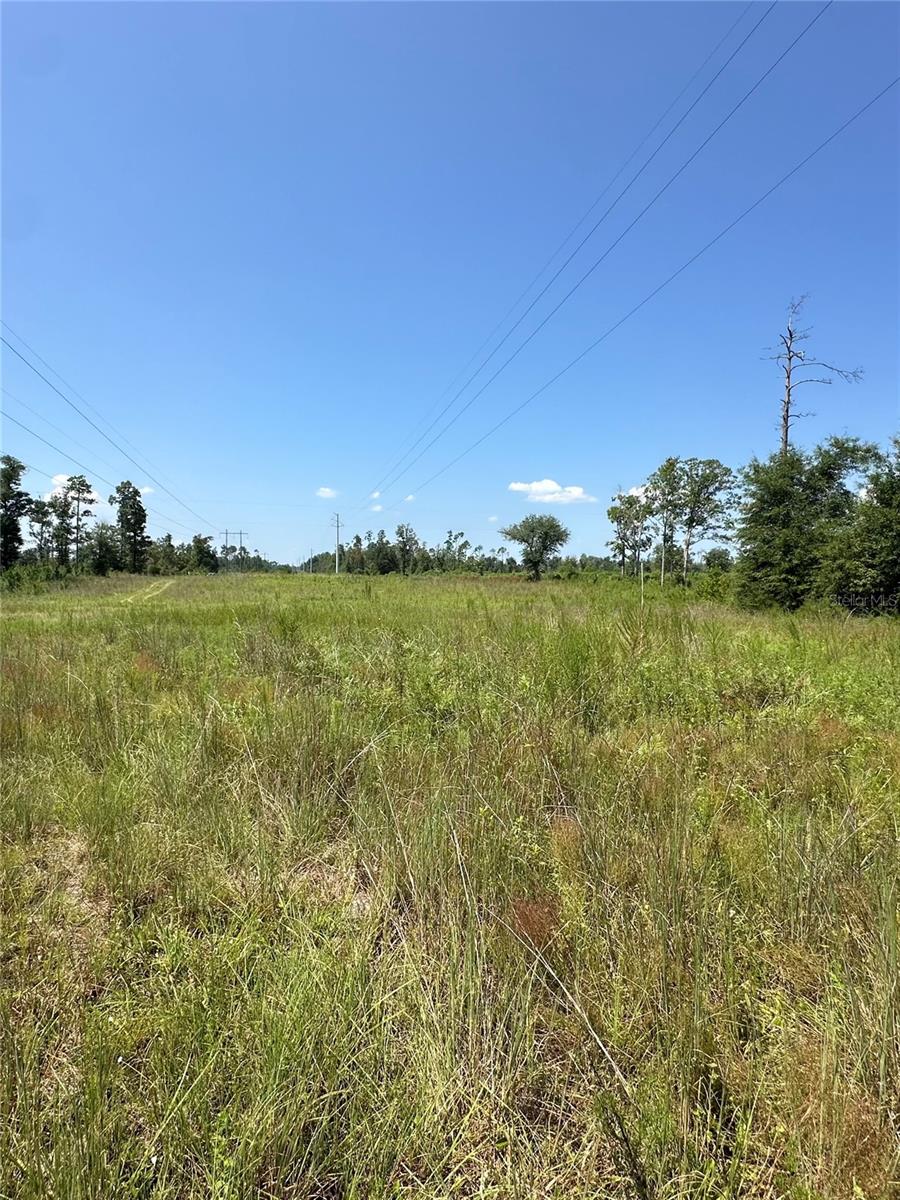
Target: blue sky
[[262, 240]]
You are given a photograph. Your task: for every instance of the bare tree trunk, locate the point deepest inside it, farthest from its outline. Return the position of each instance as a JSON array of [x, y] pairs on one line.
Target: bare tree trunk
[[662, 562], [687, 553], [788, 341]]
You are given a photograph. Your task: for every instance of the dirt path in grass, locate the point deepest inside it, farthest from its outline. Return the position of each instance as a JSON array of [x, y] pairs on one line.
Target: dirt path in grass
[[148, 593]]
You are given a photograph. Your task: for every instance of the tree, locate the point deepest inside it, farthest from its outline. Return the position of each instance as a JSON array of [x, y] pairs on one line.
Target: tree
[[629, 514], [132, 523], [718, 559], [61, 508], [663, 496], [539, 537], [40, 524], [162, 556], [103, 549], [705, 494], [794, 505], [793, 361], [14, 505], [202, 555], [407, 544], [355, 558], [81, 494], [861, 562]]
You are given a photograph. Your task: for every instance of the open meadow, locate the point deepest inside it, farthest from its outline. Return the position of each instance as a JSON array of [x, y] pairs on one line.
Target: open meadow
[[367, 888]]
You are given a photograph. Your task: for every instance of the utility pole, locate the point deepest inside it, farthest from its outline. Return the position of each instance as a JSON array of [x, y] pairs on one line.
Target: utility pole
[[310, 561], [336, 522], [240, 534]]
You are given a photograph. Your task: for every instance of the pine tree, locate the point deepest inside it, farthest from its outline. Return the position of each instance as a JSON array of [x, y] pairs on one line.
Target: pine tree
[[794, 505], [132, 524], [14, 505], [81, 494]]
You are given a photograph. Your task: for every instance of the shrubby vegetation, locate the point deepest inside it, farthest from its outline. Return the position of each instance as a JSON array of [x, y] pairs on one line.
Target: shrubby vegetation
[[383, 888]]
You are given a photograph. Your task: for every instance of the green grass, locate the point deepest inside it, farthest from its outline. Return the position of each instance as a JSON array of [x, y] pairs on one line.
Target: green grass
[[385, 888]]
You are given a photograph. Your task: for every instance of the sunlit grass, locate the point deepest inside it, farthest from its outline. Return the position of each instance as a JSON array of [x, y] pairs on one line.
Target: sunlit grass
[[374, 888]]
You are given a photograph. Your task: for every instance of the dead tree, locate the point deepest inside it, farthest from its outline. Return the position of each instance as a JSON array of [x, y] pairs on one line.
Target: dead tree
[[794, 361]]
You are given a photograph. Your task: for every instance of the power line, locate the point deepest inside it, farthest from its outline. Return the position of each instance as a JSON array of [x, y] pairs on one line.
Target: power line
[[95, 426], [389, 473], [90, 471], [57, 428], [665, 187], [684, 266], [75, 391], [49, 475], [390, 476]]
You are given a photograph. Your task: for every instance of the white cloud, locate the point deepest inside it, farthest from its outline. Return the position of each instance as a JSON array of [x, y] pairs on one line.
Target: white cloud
[[146, 491], [548, 491], [406, 499], [375, 495], [326, 493], [492, 520], [640, 491], [376, 508]]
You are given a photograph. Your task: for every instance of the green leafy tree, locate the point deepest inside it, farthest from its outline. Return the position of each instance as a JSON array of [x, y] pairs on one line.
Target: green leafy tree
[[795, 504], [14, 505], [40, 524], [102, 548], [406, 546], [704, 503], [132, 524], [162, 556], [355, 558], [629, 514], [540, 537], [384, 555], [61, 510], [663, 496], [861, 561], [202, 555]]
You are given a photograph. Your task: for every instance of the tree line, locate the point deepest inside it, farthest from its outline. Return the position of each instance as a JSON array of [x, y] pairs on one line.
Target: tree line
[[797, 526], [64, 538]]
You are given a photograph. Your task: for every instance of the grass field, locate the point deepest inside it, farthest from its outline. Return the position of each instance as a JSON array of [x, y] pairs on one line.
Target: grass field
[[383, 888]]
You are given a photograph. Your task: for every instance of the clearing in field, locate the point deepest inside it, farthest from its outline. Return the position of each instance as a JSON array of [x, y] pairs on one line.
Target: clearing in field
[[380, 888]]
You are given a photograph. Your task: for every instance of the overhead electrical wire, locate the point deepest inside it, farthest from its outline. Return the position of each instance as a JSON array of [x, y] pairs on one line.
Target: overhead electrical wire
[[391, 478], [56, 428], [112, 442], [49, 475], [657, 196], [90, 471], [74, 391], [665, 283]]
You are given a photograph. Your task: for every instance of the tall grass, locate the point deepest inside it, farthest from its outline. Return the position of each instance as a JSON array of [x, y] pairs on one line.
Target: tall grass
[[375, 888]]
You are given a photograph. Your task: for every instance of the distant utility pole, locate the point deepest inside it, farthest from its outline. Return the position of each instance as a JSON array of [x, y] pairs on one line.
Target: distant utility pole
[[240, 534], [336, 522], [310, 561]]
